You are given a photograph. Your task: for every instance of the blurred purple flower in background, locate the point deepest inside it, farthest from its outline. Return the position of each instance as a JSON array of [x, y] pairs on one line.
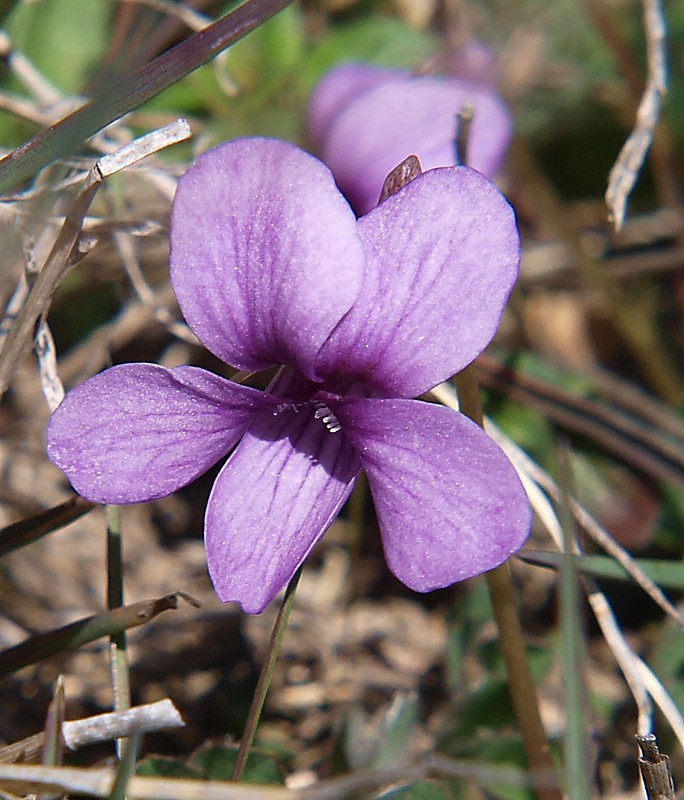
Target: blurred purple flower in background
[[271, 267], [364, 120]]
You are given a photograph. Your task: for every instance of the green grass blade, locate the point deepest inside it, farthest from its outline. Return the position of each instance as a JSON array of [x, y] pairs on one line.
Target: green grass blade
[[112, 102], [667, 574]]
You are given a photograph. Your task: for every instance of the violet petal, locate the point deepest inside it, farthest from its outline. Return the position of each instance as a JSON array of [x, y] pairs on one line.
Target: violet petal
[[448, 501], [441, 258], [137, 432], [473, 61], [375, 132], [271, 503], [265, 258], [337, 88]]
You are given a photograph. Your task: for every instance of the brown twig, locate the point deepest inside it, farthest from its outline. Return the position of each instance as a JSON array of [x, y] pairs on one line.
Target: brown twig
[[655, 770], [511, 641]]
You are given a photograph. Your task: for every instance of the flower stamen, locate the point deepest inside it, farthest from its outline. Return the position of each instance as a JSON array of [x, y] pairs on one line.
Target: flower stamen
[[330, 421]]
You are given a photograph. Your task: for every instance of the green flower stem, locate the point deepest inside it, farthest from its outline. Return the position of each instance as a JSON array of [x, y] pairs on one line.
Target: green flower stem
[[265, 676], [511, 641], [118, 657], [126, 767]]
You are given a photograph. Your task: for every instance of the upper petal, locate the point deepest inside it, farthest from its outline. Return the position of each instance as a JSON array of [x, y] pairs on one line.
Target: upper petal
[[449, 503], [473, 61], [337, 88], [413, 115], [441, 258], [136, 432], [265, 258], [271, 503]]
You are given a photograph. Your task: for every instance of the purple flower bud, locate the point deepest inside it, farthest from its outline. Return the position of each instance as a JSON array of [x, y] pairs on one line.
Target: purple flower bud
[[365, 120]]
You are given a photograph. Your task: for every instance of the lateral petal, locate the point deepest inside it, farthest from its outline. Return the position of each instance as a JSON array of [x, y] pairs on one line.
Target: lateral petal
[[137, 432], [272, 501], [449, 503], [265, 258], [442, 256]]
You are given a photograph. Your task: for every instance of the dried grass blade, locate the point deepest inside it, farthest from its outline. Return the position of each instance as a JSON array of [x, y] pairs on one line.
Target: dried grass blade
[[626, 169], [43, 645], [53, 741], [20, 337], [30, 529], [97, 782], [639, 677], [525, 465], [634, 439]]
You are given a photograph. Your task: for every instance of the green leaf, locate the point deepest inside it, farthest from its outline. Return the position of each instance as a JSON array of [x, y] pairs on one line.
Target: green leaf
[[668, 660], [376, 40], [161, 767], [505, 752], [395, 730], [372, 742], [273, 50], [488, 707], [51, 34], [489, 655], [215, 762]]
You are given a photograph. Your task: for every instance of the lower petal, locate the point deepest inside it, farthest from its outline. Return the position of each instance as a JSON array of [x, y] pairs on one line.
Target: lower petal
[[137, 432], [448, 501], [271, 503]]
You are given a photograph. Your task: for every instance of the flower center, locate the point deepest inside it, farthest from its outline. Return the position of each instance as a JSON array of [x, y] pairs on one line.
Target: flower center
[[321, 411]]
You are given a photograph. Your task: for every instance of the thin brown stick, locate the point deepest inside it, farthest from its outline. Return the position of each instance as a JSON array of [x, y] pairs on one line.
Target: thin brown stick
[[655, 770], [511, 641]]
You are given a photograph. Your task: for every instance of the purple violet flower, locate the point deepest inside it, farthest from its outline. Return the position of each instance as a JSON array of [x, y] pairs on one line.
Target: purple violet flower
[[271, 267], [364, 120]]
